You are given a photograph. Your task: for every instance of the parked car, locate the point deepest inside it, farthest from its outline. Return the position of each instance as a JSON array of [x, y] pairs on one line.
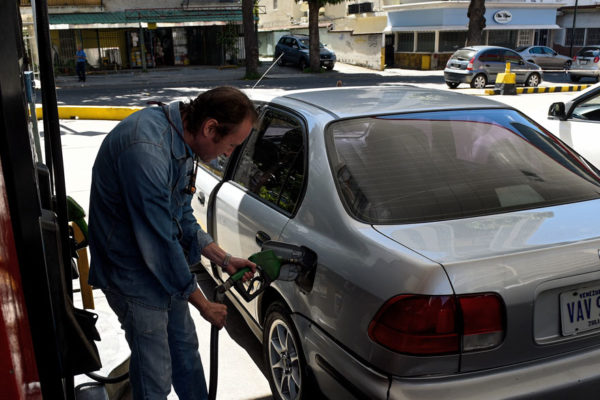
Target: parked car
[[586, 64], [479, 66], [295, 49], [578, 123], [544, 56], [456, 240]]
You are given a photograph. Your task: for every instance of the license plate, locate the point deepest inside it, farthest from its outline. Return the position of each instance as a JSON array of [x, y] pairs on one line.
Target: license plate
[[582, 62], [580, 310], [326, 62]]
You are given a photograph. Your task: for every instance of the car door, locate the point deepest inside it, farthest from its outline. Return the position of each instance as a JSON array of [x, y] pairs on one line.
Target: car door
[[551, 59], [295, 51], [517, 65], [492, 63], [265, 187]]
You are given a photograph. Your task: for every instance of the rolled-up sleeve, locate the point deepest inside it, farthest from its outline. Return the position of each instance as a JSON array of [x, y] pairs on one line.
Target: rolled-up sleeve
[[144, 176]]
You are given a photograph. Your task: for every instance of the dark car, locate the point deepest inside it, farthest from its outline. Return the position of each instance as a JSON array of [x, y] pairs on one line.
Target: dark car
[[479, 65], [295, 51]]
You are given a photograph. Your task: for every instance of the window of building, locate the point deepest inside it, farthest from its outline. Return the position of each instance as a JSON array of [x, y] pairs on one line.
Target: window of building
[[504, 38], [593, 36], [406, 42], [578, 39], [452, 40], [426, 42], [525, 37]]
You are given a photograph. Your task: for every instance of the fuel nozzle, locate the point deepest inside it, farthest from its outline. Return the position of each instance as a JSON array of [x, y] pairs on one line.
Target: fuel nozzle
[[277, 261]]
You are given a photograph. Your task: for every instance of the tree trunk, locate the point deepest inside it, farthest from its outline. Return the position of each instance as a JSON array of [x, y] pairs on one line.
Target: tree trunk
[[476, 16], [250, 42], [313, 29]]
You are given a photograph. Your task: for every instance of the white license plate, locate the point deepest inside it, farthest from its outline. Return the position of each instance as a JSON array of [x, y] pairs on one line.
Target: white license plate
[[582, 62], [580, 310]]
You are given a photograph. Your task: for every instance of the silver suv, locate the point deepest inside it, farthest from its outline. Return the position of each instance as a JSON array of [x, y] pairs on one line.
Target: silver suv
[[479, 65]]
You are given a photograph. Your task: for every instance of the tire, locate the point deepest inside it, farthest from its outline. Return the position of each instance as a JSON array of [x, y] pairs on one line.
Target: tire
[[302, 64], [533, 80], [574, 78], [280, 60], [479, 81], [329, 67], [287, 370], [567, 64], [452, 85]]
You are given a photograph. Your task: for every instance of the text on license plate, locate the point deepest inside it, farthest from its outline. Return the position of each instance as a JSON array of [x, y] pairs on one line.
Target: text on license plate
[[580, 310]]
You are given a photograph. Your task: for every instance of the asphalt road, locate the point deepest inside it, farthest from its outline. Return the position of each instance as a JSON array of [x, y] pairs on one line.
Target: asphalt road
[[133, 93]]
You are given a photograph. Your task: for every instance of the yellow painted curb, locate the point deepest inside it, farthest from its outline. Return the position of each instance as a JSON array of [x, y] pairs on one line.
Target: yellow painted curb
[[544, 89], [95, 112]]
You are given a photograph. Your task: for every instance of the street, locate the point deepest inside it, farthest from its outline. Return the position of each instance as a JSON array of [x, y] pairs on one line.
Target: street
[[241, 375]]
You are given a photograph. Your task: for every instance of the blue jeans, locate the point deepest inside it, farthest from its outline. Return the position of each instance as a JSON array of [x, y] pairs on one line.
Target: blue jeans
[[164, 348]]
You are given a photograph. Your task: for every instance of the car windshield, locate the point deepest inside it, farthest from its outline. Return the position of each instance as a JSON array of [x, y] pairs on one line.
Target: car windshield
[[431, 166], [464, 54], [305, 44]]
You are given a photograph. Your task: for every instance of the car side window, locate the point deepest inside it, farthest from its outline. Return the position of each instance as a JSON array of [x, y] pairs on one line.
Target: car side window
[[512, 57], [272, 164], [216, 166], [588, 109], [536, 50]]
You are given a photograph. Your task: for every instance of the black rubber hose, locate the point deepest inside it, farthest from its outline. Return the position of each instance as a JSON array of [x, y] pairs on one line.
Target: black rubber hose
[[106, 379], [214, 358]]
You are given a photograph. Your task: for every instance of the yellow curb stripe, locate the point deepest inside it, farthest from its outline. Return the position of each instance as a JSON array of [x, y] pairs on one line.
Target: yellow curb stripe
[[94, 113], [544, 89]]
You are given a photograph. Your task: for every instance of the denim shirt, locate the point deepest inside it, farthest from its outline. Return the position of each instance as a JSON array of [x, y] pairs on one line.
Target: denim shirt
[[142, 233]]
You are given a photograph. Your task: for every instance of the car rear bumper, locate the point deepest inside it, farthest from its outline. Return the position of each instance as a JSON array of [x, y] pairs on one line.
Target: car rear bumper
[[458, 76], [579, 71], [568, 377], [339, 374]]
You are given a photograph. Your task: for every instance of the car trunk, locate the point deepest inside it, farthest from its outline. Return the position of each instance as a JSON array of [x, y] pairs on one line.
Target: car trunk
[[534, 260]]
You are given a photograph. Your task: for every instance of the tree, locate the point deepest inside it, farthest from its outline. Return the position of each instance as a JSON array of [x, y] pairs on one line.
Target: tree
[[476, 16], [313, 32], [250, 40]]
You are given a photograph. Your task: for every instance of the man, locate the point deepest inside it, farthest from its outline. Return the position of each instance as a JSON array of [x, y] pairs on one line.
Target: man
[[80, 59], [143, 235]]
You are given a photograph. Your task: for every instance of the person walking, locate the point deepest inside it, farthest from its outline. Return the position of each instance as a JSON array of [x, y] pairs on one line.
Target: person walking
[[80, 60], [143, 235]]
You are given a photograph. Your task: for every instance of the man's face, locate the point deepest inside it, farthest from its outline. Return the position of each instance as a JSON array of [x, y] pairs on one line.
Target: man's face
[[208, 145]]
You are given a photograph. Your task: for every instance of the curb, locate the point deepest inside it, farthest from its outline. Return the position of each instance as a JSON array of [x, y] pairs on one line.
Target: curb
[[93, 113], [545, 89]]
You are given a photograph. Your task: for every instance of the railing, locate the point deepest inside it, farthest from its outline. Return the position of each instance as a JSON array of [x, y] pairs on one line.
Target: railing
[[64, 3]]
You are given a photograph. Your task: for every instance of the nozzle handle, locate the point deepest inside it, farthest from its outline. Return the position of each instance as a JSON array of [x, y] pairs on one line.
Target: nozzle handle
[[239, 274]]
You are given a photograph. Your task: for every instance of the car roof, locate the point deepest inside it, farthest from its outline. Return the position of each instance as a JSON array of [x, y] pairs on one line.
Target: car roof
[[347, 102]]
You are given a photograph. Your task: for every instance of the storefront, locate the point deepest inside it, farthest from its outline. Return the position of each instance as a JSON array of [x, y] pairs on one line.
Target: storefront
[[143, 38], [580, 27], [426, 34]]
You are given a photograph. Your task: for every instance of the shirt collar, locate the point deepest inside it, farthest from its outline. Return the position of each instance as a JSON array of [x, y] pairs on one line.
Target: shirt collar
[[179, 148]]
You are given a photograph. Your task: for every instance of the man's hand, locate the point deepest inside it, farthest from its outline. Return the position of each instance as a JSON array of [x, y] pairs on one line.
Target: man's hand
[[236, 263], [215, 313]]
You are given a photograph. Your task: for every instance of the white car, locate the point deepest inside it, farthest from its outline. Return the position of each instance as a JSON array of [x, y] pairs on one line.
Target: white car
[[577, 123]]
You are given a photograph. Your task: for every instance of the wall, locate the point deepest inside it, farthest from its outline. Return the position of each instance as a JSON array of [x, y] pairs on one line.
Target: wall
[[363, 50]]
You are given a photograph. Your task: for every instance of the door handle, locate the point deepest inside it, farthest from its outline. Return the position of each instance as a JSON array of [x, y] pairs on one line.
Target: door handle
[[201, 198], [261, 238]]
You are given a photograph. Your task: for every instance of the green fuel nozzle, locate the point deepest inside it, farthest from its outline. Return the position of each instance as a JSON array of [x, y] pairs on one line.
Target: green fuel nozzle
[[277, 261]]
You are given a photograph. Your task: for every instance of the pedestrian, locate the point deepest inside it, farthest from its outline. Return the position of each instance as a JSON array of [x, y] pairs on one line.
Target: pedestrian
[[80, 59], [143, 236]]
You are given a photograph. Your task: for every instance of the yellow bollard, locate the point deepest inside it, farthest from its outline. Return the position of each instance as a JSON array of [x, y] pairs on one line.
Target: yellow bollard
[[83, 266], [506, 82]]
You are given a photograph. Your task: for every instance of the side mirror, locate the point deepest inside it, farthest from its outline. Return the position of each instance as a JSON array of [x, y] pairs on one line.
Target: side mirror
[[557, 111]]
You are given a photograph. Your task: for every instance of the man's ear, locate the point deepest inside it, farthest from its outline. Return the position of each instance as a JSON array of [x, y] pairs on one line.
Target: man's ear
[[209, 128]]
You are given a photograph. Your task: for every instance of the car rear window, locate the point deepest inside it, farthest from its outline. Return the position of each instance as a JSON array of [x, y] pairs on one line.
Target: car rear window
[[589, 52], [432, 166], [464, 54]]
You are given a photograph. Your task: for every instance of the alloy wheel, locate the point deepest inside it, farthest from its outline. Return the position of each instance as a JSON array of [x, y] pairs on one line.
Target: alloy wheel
[[284, 361]]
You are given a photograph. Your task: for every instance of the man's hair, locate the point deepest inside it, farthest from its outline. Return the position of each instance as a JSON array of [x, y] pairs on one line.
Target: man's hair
[[228, 105]]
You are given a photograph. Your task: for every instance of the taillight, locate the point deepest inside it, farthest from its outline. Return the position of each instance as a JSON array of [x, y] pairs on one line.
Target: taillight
[[428, 325], [470, 64], [574, 58], [596, 59]]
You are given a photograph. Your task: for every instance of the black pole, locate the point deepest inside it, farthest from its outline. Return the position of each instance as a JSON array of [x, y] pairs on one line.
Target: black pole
[[573, 30]]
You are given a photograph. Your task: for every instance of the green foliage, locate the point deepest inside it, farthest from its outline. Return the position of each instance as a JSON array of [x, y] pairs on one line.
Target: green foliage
[[228, 39]]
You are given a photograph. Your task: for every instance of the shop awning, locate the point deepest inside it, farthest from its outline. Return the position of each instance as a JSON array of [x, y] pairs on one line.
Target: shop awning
[[162, 17], [464, 28]]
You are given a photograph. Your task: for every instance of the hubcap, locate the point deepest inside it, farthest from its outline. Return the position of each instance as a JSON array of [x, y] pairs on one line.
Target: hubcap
[[284, 361]]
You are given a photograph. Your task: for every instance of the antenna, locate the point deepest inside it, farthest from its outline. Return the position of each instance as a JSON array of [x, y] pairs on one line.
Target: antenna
[[267, 71]]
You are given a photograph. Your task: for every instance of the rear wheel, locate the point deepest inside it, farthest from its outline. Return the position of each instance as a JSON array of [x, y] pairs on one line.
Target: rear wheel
[[329, 67], [452, 85], [287, 370], [567, 65], [279, 60], [303, 64], [479, 81], [574, 78], [533, 80]]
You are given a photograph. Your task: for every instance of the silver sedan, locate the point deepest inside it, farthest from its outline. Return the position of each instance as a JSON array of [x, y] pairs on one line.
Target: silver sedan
[[457, 246], [545, 57]]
